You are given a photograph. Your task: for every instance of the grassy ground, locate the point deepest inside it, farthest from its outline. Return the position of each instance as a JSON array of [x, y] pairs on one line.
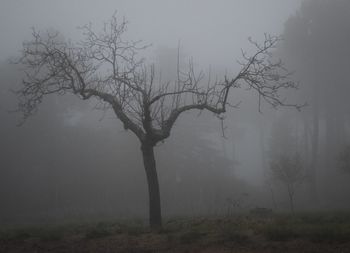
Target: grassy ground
[[304, 232]]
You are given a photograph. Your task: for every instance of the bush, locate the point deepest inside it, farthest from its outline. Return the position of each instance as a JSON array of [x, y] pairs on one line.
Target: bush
[[99, 231]]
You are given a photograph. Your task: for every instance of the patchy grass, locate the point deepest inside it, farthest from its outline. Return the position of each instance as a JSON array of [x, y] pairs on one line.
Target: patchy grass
[[246, 232], [327, 227], [46, 233], [235, 234], [100, 230], [277, 232], [191, 236]]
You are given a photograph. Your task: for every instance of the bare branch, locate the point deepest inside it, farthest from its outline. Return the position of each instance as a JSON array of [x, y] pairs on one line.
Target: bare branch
[[106, 66]]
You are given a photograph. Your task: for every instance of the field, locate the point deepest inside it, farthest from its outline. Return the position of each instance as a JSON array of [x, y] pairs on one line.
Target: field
[[303, 232]]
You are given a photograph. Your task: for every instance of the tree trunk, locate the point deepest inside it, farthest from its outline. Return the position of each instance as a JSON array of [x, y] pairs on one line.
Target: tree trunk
[[315, 136], [155, 215], [291, 200], [315, 151]]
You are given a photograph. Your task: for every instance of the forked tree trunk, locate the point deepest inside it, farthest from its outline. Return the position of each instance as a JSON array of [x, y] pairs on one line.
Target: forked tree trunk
[[155, 215]]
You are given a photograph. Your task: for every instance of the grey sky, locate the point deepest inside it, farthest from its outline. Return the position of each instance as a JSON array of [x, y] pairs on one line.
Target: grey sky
[[209, 30], [213, 32]]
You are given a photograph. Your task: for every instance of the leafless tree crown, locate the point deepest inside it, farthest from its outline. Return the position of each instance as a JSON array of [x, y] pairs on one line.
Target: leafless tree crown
[[107, 67]]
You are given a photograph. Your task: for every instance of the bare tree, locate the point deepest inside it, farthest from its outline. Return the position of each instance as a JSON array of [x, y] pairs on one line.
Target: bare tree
[[290, 172], [109, 68]]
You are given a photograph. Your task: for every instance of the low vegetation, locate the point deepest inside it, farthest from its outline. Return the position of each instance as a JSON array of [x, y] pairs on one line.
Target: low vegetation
[[248, 233]]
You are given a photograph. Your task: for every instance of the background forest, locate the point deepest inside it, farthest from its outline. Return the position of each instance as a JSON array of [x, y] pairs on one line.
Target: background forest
[[71, 162]]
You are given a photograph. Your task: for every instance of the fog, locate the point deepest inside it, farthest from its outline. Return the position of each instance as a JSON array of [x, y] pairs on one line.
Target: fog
[[73, 160]]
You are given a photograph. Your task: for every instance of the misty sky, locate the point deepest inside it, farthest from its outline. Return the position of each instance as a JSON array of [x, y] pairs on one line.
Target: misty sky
[[211, 31], [43, 175]]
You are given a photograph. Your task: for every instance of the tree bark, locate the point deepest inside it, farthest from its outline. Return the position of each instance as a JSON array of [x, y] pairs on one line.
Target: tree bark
[[155, 215]]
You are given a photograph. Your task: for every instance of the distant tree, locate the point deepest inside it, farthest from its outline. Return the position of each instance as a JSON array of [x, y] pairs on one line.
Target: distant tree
[[109, 68], [344, 159], [289, 171], [316, 45]]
